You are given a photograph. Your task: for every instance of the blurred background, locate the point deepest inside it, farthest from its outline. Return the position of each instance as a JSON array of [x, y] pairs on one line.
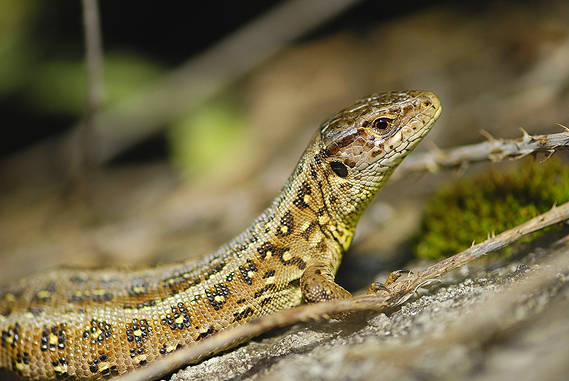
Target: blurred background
[[195, 116]]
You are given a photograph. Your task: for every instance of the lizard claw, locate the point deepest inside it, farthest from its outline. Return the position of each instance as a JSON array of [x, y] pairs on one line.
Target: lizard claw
[[394, 275], [377, 287]]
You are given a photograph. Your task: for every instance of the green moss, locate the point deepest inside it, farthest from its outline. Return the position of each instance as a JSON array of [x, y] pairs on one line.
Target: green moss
[[470, 209]]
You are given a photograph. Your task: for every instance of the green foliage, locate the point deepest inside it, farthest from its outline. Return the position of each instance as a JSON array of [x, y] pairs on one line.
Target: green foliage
[[15, 50], [470, 209], [60, 86], [208, 138]]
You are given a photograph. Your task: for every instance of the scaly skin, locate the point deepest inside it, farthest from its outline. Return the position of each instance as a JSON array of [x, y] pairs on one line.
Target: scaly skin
[[97, 324]]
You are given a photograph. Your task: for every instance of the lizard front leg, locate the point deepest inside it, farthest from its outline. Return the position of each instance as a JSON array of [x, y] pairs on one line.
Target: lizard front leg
[[317, 285]]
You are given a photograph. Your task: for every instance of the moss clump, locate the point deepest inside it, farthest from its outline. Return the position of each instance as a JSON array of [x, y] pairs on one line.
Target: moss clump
[[470, 209]]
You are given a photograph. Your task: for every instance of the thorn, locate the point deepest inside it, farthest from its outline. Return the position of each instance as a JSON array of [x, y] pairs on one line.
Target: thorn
[[473, 243], [461, 170], [548, 155], [563, 127], [525, 134], [434, 148], [488, 135]]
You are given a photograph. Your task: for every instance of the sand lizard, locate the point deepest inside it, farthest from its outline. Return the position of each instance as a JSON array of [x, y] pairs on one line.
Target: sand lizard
[[102, 323]]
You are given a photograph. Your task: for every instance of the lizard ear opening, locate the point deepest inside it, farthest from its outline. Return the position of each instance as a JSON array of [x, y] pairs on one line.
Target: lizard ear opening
[[339, 168]]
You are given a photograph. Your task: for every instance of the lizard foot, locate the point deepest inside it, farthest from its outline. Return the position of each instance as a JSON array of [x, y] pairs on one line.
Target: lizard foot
[[377, 287]]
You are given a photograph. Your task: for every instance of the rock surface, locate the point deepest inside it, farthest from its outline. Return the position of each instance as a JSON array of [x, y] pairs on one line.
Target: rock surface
[[507, 321]]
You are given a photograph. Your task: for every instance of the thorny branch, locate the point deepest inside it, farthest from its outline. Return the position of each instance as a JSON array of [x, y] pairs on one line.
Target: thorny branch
[[398, 293], [494, 149]]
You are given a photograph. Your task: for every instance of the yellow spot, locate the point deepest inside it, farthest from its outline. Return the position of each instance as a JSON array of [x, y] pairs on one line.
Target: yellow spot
[[284, 229], [103, 366], [44, 294], [322, 220], [316, 239], [186, 275], [219, 298], [11, 298], [137, 333], [307, 198], [179, 320], [98, 292], [270, 280], [97, 333], [139, 289], [268, 254], [287, 256], [332, 228], [20, 366], [141, 358], [170, 348], [61, 369], [52, 339], [250, 274]]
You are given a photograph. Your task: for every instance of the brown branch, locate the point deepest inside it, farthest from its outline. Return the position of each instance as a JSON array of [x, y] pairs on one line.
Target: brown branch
[[81, 142], [398, 293], [94, 55], [493, 149]]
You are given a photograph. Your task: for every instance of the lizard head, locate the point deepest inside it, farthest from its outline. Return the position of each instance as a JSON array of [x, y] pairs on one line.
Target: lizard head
[[362, 144]]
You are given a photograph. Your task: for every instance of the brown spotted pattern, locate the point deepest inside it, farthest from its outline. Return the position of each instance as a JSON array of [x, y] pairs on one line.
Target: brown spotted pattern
[[71, 324]]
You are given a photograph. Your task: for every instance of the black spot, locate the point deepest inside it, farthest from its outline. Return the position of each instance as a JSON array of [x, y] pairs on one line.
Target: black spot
[[237, 316], [205, 334], [308, 231], [313, 172], [265, 301], [138, 289], [138, 331], [268, 274], [266, 248], [305, 189], [264, 289], [218, 290], [245, 269], [339, 168], [294, 283], [287, 225], [217, 268]]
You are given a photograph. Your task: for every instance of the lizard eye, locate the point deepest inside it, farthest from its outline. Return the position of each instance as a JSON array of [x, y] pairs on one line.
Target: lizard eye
[[339, 168], [381, 124]]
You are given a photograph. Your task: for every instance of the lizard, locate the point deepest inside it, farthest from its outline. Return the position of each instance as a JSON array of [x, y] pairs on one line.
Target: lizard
[[97, 324]]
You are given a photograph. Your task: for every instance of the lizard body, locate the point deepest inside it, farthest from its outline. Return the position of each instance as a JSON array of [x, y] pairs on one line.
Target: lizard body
[[98, 324]]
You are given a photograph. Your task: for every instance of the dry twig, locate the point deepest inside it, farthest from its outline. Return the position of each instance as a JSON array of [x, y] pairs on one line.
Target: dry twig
[[494, 149], [81, 148], [398, 293]]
